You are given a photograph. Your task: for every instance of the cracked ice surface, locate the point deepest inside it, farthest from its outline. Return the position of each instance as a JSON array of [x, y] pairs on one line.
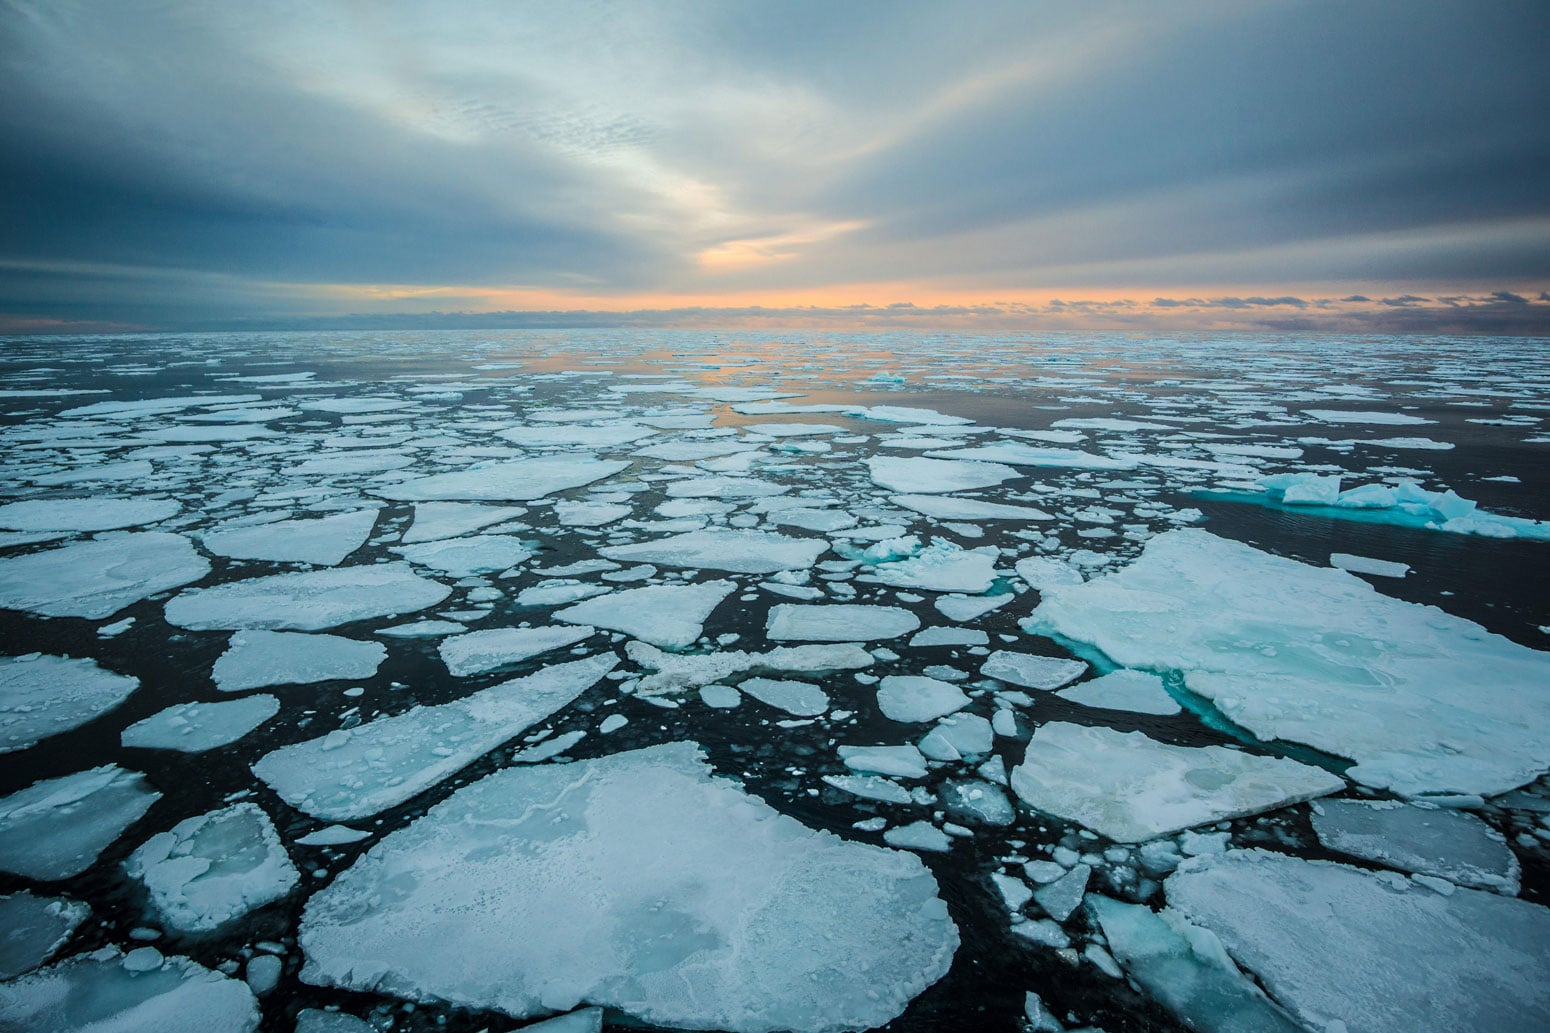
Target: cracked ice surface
[[1423, 701], [637, 882]]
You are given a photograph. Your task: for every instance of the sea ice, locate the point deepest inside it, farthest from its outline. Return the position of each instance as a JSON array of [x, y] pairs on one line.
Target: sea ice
[[943, 507], [669, 616], [1185, 968], [675, 672], [259, 659], [969, 607], [870, 787], [940, 567], [1424, 702], [109, 992], [572, 436], [910, 697], [42, 696], [516, 480], [434, 521], [933, 476], [1367, 565], [957, 736], [465, 557], [636, 882], [86, 514], [56, 828], [590, 514], [797, 698], [894, 761], [1373, 951], [324, 541], [196, 727], [306, 601], [33, 928], [353, 773], [1139, 692], [1064, 895], [214, 868], [97, 578], [1450, 845], [479, 652], [1132, 788], [1030, 455], [1030, 671], [791, 622], [747, 552]]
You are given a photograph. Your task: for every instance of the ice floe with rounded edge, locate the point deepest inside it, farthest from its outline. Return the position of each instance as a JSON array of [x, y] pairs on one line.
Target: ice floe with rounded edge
[[87, 514], [43, 695], [637, 882], [1422, 701], [1131, 788], [913, 697], [214, 868], [1452, 845], [110, 992], [931, 476], [259, 659], [1372, 951], [942, 566], [196, 727], [479, 652], [353, 773], [324, 541], [837, 622], [56, 828], [516, 480], [306, 601], [97, 578], [746, 552], [670, 616]]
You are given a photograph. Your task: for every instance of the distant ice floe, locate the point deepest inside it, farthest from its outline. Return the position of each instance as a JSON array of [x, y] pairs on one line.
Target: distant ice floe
[[42, 696], [1131, 788], [305, 601], [324, 541], [97, 578], [670, 616], [518, 480], [1406, 504], [641, 883], [1422, 701]]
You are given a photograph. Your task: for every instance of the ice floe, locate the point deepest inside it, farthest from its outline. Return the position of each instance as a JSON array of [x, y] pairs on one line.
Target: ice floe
[[636, 882], [196, 727], [324, 541], [33, 928], [353, 773], [306, 601], [670, 616], [1139, 692], [797, 698], [436, 520], [742, 551], [214, 868], [1131, 788], [465, 557], [941, 507], [1451, 845], [43, 695], [675, 672], [56, 828], [912, 698], [840, 622], [932, 476], [97, 578], [259, 659], [1422, 701], [1032, 671], [942, 566], [517, 480], [479, 652]]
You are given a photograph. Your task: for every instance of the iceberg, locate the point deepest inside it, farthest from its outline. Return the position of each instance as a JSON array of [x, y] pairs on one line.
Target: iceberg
[[42, 696], [259, 659], [1131, 788], [479, 652], [517, 480], [305, 601], [669, 616], [637, 882], [95, 579], [353, 773], [1422, 701], [55, 829]]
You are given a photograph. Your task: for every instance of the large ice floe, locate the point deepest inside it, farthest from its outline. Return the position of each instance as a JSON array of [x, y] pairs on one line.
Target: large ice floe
[[790, 622], [259, 659], [674, 672], [1422, 701], [56, 828], [934, 476], [1132, 788], [97, 578], [110, 992], [42, 696], [1446, 844], [87, 514], [214, 868], [670, 616], [637, 882], [517, 480], [1372, 952], [196, 727], [324, 541], [1406, 504], [305, 601], [355, 772]]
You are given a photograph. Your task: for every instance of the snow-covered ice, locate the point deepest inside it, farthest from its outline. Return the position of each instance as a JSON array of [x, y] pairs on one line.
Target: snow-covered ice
[[56, 828], [434, 521], [669, 616], [479, 652], [517, 480], [465, 557], [636, 882], [1424, 702], [259, 659], [797, 698], [1368, 565], [839, 622], [913, 698], [1139, 692], [746, 552], [306, 601], [946, 507], [1132, 788], [95, 579], [323, 541], [942, 566], [43, 695], [1032, 671], [893, 761], [912, 474], [1372, 950], [676, 672], [214, 868], [1452, 845], [196, 727], [353, 773]]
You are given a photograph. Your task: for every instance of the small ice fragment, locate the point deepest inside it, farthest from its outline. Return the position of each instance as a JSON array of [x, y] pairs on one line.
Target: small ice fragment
[[1063, 896], [1365, 565], [55, 829], [918, 835]]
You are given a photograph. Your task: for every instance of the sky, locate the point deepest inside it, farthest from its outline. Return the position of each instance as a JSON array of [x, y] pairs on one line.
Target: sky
[[1190, 165]]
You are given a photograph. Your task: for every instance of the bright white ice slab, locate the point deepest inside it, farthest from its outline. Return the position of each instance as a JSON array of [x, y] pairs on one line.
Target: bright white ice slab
[[436, 520], [675, 671], [930, 476], [1032, 671], [42, 696], [638, 882], [258, 659], [747, 552], [196, 727], [912, 697], [942, 566], [791, 622], [480, 651], [353, 773], [944, 507], [518, 480], [306, 601], [465, 557], [324, 541], [1132, 788], [1139, 692], [670, 616], [84, 514], [97, 578], [1424, 702]]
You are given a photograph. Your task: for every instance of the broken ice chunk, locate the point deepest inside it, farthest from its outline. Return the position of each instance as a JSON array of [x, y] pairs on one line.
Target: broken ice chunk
[[214, 868], [307, 601], [325, 541], [918, 698], [676, 672], [465, 557], [42, 696], [941, 567], [196, 727], [1451, 845], [258, 659], [669, 616], [56, 828], [437, 520], [1131, 788], [1063, 896], [942, 507], [97, 578], [838, 623], [1030, 671], [1366, 565], [918, 835], [898, 761]]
